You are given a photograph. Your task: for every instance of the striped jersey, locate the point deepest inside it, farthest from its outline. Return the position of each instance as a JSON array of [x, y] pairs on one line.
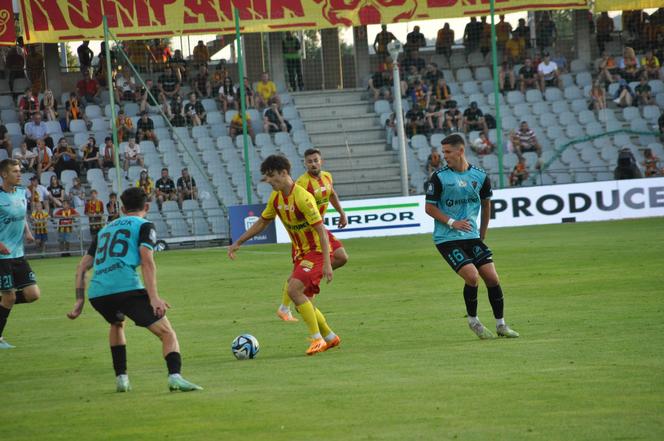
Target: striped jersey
[[319, 186], [299, 214], [39, 222]]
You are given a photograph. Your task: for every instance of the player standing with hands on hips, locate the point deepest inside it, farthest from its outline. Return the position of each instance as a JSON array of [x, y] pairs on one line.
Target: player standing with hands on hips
[[454, 197], [17, 281]]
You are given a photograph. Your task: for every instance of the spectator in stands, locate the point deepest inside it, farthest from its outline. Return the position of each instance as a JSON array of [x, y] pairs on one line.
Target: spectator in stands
[[138, 53], [603, 30], [597, 97], [266, 90], [513, 51], [519, 173], [273, 120], [126, 88], [651, 164], [503, 32], [249, 94], [629, 67], [132, 156], [108, 154], [660, 123], [201, 55], [145, 182], [100, 73], [187, 189], [168, 84], [435, 116], [145, 129], [235, 127], [524, 140], [91, 155], [643, 92], [44, 158], [179, 65], [76, 194], [94, 210], [56, 192], [506, 77], [415, 122], [624, 96], [85, 56], [419, 94], [37, 193], [432, 75], [165, 188], [651, 64], [35, 131], [40, 225], [650, 34], [413, 59], [66, 216], [64, 157], [49, 106], [88, 89], [434, 161], [15, 64], [482, 145], [522, 35], [627, 167], [125, 126], [149, 99], [28, 105], [112, 207], [380, 85], [547, 72], [194, 111], [546, 32], [453, 118], [228, 94], [28, 158], [159, 55], [174, 111], [201, 84], [441, 92], [5, 140], [219, 75], [73, 110], [471, 35], [485, 36], [561, 63], [473, 119], [383, 38], [415, 40], [528, 77], [291, 50], [445, 40], [606, 68], [34, 68]]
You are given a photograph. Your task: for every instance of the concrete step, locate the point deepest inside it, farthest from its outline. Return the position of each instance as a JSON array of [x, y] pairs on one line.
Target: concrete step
[[338, 148], [378, 173], [341, 124], [368, 189], [331, 97], [350, 136], [360, 161], [330, 111]]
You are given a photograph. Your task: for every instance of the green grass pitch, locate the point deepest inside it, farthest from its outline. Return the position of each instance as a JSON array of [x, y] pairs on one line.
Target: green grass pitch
[[588, 300]]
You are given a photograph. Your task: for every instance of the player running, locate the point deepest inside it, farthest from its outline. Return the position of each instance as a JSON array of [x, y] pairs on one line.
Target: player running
[[116, 290], [17, 281], [319, 184], [454, 196], [297, 209]]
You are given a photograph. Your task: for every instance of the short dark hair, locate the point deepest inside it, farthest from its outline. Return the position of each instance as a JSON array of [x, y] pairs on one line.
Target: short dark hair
[[164, 169], [454, 140], [312, 151], [134, 199], [5, 164], [275, 163]]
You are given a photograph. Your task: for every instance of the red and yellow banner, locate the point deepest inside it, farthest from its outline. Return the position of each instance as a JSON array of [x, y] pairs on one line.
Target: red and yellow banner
[[61, 20], [626, 5], [7, 27]]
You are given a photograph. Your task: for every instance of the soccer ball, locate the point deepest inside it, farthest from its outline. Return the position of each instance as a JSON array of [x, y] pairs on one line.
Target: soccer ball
[[245, 346]]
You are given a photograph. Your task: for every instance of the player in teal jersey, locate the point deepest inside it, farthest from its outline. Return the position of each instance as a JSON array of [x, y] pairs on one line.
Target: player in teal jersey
[[454, 197], [116, 290], [17, 281]]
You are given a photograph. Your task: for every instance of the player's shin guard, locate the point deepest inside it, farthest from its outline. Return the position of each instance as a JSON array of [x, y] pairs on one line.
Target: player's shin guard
[[322, 323], [173, 363], [119, 354], [308, 313], [470, 297], [4, 314], [285, 298], [496, 300]]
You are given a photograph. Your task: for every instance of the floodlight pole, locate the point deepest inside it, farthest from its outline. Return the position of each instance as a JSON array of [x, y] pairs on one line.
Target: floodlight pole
[[496, 96], [398, 110], [114, 128], [243, 105]]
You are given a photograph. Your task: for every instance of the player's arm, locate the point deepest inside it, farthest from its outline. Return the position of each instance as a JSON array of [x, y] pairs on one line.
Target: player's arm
[[433, 194], [86, 263], [334, 200], [27, 232], [485, 196], [257, 228], [147, 240], [325, 247]]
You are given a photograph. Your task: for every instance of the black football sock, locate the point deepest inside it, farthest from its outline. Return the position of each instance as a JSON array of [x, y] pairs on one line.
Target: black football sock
[[470, 297], [4, 313], [174, 363], [119, 354], [20, 297], [496, 300]]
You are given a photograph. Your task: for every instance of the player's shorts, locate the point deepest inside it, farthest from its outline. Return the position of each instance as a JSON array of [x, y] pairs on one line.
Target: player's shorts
[[16, 274], [335, 243], [309, 271], [133, 304], [459, 253], [41, 237]]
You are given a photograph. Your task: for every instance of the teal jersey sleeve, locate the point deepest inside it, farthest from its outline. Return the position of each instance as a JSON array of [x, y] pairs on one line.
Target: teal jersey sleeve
[[13, 209]]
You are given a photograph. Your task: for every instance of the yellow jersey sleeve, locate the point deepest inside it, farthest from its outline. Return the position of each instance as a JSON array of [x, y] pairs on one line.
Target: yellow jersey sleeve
[[269, 213], [306, 203]]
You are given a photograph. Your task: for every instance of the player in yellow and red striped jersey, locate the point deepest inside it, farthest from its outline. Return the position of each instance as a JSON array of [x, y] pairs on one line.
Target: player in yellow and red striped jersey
[[320, 184], [299, 213]]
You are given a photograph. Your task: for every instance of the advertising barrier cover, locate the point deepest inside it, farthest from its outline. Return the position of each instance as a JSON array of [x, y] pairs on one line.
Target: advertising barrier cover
[[242, 217]]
